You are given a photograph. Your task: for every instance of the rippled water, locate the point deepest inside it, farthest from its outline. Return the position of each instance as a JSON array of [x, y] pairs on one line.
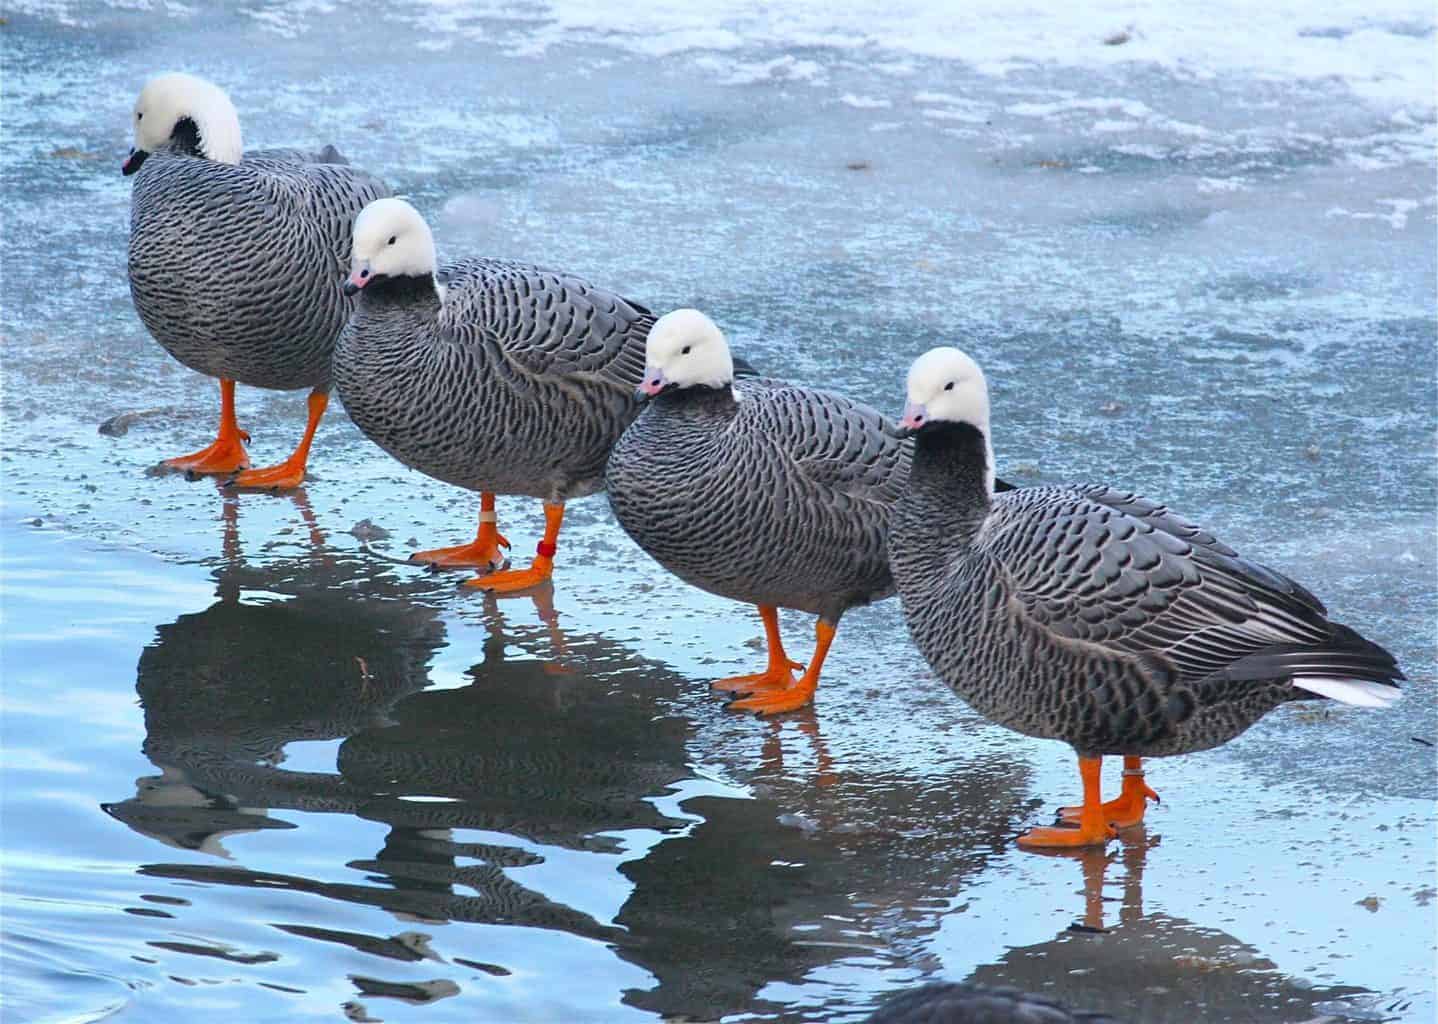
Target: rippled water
[[258, 769]]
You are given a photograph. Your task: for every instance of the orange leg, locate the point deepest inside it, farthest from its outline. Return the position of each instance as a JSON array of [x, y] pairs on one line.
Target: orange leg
[[482, 552], [791, 698], [1092, 830], [1126, 810], [778, 676], [290, 473], [514, 580], [227, 453]]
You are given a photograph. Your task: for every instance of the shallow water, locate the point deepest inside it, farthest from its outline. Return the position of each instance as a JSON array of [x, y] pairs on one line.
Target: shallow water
[[259, 769]]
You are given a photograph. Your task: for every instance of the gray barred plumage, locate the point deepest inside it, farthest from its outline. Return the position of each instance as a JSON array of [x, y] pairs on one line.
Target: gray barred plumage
[[518, 382], [497, 376], [1062, 616], [237, 269], [764, 492], [1094, 616], [950, 1003]]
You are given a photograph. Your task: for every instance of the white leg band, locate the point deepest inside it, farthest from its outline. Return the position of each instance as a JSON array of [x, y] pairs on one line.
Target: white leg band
[[488, 516]]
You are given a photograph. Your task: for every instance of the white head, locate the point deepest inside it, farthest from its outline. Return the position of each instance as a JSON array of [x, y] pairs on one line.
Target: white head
[[182, 108], [391, 239], [946, 386], [685, 349]]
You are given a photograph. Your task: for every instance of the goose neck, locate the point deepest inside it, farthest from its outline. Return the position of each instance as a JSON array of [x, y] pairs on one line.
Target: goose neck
[[404, 290], [948, 494]]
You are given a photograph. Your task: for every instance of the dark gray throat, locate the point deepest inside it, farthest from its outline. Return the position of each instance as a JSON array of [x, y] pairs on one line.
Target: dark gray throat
[[403, 290], [699, 400], [947, 497]]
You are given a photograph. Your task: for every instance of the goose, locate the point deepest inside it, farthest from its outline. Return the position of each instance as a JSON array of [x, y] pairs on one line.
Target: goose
[[953, 1003], [1094, 616], [495, 376], [236, 260], [765, 492]]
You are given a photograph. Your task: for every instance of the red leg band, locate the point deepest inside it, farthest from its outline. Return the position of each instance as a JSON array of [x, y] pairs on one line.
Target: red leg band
[[546, 549]]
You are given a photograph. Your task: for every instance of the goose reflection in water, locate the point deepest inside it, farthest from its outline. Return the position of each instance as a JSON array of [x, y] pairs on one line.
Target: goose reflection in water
[[284, 654], [1152, 967], [569, 750], [475, 784], [545, 793]]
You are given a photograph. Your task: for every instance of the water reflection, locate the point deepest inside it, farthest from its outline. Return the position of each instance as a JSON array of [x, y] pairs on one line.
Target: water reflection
[[1152, 966], [282, 655], [563, 760], [230, 537], [544, 794], [822, 865], [540, 794]]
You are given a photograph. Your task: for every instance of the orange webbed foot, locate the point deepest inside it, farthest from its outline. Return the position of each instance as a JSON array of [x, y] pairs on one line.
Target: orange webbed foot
[[1091, 830], [778, 701], [1127, 809], [291, 473], [1124, 811], [480, 553], [225, 455], [781, 698], [513, 581], [775, 677], [1093, 834], [285, 477]]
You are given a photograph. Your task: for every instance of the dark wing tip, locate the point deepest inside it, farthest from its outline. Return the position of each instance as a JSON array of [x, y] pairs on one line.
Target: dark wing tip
[[1345, 654]]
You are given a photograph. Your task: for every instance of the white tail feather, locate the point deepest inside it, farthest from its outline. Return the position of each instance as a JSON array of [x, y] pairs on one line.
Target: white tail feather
[[1362, 692]]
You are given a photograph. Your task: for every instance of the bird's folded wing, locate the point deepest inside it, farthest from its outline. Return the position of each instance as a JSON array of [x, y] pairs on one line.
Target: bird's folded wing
[[1142, 582], [837, 443], [547, 322]]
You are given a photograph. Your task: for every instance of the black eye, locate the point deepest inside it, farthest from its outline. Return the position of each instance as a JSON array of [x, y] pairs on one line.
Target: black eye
[[949, 386], [391, 239], [685, 350], [139, 115]]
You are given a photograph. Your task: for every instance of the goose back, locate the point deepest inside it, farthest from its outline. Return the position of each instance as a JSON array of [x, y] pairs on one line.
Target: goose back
[[519, 382], [780, 497], [237, 269], [1097, 617]]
